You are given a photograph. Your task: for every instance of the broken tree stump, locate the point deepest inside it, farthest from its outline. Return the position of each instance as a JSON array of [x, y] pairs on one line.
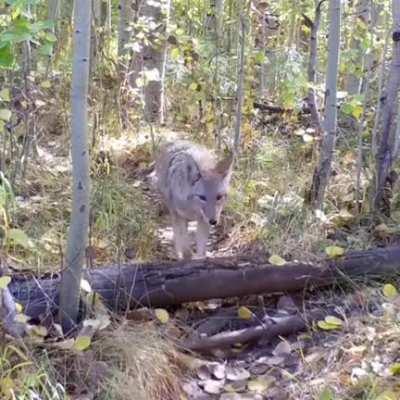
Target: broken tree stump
[[159, 284]]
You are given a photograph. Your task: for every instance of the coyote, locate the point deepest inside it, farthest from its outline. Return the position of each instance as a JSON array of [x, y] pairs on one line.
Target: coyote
[[194, 187]]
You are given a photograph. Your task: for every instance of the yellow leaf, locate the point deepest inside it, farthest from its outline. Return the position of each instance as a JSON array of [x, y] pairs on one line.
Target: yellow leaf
[[334, 251], [162, 315], [5, 95], [330, 319], [4, 281], [5, 114], [395, 369], [326, 326], [19, 307], [82, 343], [276, 260], [245, 313], [390, 291]]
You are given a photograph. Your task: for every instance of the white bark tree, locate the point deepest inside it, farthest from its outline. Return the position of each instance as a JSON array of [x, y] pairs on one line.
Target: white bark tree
[[78, 231], [240, 82], [312, 64], [323, 169], [386, 156]]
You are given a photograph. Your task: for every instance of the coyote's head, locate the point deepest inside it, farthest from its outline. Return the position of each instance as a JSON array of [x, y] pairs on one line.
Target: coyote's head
[[209, 190]]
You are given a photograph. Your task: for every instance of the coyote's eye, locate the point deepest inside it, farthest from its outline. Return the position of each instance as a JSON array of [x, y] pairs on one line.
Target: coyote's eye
[[220, 197], [202, 198]]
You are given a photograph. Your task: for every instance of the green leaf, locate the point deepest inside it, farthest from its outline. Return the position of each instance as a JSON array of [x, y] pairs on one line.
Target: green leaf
[[326, 326], [390, 291], [330, 319], [6, 56], [260, 57], [175, 54], [41, 26], [5, 114], [395, 369], [82, 343], [46, 49], [4, 281], [326, 394], [19, 237]]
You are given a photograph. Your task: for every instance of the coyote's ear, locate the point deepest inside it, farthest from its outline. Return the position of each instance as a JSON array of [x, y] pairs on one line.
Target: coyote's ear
[[225, 166]]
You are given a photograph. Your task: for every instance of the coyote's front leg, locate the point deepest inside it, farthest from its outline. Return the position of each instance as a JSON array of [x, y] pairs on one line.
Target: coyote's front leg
[[203, 231], [181, 237]]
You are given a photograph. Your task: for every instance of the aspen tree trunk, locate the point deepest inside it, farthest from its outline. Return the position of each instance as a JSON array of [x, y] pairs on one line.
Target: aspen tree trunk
[[362, 13], [385, 156], [125, 13], [382, 73], [240, 84], [323, 169], [163, 107], [312, 66], [54, 13], [153, 56], [78, 231]]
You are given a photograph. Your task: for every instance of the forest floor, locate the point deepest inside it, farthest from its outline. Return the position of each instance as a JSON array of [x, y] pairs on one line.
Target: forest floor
[[358, 359]]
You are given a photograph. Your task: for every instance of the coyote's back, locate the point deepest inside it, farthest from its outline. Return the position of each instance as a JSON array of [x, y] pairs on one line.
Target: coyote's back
[[194, 187]]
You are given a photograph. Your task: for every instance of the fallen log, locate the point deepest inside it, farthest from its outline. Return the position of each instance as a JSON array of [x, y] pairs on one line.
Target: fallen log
[[159, 284], [266, 331]]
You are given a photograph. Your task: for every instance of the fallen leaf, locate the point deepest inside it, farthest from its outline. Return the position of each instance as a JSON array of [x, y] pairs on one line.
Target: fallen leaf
[[282, 348], [212, 386], [390, 291], [259, 385], [82, 343], [276, 260], [334, 251], [219, 371], [326, 326], [4, 281], [245, 313], [237, 374], [330, 319], [162, 315]]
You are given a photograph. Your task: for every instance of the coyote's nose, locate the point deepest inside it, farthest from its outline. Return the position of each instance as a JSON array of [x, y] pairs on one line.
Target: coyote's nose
[[213, 222]]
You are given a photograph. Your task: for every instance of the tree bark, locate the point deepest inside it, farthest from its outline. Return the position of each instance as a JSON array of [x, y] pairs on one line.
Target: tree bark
[[78, 231], [240, 83], [385, 156], [124, 35], [161, 284], [312, 67], [163, 107], [323, 170]]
